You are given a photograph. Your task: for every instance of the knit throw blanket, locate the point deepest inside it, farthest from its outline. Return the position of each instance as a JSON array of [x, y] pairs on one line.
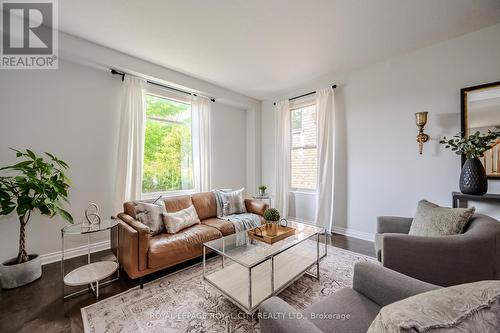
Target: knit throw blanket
[[243, 221]]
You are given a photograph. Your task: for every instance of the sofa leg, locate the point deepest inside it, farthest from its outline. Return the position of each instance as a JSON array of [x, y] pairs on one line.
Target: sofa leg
[[141, 281]]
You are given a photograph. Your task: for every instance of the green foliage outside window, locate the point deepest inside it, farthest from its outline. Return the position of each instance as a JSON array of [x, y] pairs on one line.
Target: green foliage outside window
[[296, 119], [167, 146]]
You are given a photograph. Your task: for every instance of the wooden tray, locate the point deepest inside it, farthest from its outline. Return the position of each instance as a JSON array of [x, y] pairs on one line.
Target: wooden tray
[[281, 233]]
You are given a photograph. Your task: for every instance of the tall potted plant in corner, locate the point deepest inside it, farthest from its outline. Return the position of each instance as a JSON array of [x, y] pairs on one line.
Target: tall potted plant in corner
[[473, 178], [34, 184]]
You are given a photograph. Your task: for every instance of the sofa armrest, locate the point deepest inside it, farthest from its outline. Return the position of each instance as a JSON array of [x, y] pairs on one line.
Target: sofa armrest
[[393, 224], [443, 260], [256, 206], [143, 236], [277, 316], [385, 286]]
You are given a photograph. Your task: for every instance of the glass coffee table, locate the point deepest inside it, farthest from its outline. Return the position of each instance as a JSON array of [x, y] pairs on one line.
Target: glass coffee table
[[252, 270]]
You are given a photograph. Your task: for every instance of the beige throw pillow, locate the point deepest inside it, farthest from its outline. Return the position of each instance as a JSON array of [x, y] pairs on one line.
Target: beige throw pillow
[[433, 220], [471, 307], [175, 222], [151, 215]]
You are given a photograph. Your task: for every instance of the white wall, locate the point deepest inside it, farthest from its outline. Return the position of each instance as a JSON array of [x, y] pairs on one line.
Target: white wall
[[73, 112], [378, 169], [229, 147]]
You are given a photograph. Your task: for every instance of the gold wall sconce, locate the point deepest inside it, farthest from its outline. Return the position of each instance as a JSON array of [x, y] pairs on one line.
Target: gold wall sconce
[[421, 120]]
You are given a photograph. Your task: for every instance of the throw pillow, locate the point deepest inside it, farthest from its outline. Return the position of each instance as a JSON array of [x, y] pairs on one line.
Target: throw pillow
[[151, 215], [471, 307], [175, 222], [231, 202], [433, 220]]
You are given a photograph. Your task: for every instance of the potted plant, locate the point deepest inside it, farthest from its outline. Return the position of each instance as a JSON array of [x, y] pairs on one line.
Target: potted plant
[[473, 178], [272, 217], [262, 190], [34, 184]]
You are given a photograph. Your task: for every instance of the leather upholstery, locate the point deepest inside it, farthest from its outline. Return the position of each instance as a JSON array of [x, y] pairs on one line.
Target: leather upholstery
[[256, 206], [174, 204], [140, 253], [168, 249], [205, 205], [143, 237], [225, 227]]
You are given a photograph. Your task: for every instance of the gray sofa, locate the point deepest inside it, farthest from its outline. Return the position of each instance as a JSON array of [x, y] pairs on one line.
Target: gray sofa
[[373, 287], [471, 256]]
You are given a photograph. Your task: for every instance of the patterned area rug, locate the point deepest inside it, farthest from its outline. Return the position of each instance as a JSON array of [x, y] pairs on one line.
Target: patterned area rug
[[182, 302]]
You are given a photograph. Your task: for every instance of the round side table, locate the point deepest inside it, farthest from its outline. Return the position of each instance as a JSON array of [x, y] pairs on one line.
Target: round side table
[[93, 272]]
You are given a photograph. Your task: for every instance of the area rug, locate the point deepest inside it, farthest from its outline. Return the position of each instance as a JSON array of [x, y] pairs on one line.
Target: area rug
[[182, 302]]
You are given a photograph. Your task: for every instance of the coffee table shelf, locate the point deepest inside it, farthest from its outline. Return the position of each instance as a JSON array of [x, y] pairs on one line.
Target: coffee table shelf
[[257, 270]]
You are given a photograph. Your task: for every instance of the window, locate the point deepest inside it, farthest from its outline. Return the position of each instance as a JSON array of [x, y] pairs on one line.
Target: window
[[304, 148], [168, 153]]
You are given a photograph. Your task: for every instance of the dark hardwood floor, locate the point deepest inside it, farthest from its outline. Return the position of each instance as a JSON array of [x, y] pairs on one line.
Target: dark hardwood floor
[[39, 306]]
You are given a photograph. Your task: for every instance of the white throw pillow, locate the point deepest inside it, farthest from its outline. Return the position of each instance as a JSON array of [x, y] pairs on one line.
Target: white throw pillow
[[231, 202], [151, 215], [175, 222]]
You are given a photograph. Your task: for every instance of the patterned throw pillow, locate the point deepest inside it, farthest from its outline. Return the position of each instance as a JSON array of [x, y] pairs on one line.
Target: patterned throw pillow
[[230, 202], [471, 307], [175, 222], [433, 220], [151, 215]]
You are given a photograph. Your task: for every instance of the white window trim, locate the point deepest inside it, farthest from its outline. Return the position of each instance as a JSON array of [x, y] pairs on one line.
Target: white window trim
[[176, 97], [166, 194]]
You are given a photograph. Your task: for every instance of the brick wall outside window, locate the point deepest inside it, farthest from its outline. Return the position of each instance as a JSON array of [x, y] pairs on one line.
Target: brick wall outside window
[[304, 151]]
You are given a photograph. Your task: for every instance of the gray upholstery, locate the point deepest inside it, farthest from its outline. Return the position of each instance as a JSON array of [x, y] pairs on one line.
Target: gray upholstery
[[373, 287], [443, 260], [384, 286], [346, 301]]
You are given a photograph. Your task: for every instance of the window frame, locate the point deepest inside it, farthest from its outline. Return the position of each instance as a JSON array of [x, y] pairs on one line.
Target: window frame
[[178, 98], [303, 103]]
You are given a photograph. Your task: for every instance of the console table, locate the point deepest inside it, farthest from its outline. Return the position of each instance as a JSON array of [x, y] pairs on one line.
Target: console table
[[460, 200]]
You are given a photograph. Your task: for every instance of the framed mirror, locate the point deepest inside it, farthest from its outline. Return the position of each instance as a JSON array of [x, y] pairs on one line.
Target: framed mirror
[[481, 112]]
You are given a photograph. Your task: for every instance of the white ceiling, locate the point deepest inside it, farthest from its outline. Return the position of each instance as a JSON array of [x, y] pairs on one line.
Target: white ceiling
[[260, 47]]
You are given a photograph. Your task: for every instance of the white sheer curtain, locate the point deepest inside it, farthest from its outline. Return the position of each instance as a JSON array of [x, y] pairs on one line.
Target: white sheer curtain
[[282, 165], [325, 108], [201, 134], [128, 184]]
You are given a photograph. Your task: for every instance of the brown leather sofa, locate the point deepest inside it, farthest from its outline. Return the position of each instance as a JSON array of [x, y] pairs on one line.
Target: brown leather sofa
[[140, 253]]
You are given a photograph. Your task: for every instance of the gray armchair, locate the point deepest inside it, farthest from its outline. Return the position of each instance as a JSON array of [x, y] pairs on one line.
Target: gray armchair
[[446, 260], [373, 287]]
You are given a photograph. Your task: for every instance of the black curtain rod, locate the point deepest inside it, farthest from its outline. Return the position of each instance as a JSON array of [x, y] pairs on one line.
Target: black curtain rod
[[304, 95], [122, 74]]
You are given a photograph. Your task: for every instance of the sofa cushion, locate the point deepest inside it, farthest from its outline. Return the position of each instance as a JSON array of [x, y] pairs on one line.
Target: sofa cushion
[[176, 221], [205, 205], [433, 220], [344, 311], [471, 307], [174, 204], [170, 249], [225, 227]]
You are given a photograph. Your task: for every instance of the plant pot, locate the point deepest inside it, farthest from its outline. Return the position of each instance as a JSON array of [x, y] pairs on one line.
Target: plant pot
[[262, 193], [13, 275], [271, 229], [473, 178]]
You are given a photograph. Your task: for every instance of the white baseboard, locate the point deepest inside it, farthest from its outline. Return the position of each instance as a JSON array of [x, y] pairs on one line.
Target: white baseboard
[[74, 252], [343, 231], [354, 233]]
